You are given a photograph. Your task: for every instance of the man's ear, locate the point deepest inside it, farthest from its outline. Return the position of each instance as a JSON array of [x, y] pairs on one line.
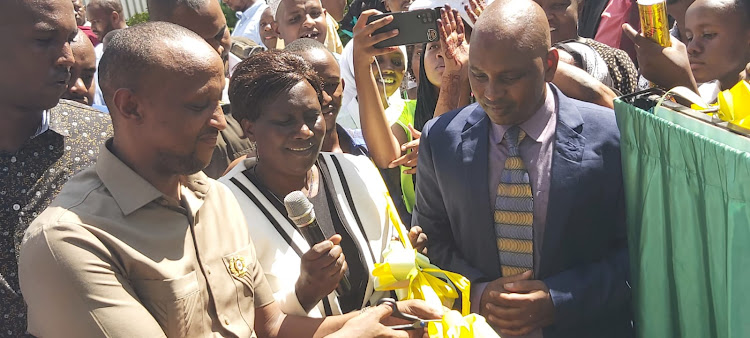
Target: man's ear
[[115, 16], [126, 105], [248, 127], [551, 67]]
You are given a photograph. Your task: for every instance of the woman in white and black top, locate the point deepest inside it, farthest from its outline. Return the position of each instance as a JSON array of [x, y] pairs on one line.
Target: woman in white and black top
[[277, 97]]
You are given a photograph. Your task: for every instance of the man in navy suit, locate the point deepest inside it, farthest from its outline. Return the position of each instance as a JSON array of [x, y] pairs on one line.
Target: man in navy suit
[[552, 259]]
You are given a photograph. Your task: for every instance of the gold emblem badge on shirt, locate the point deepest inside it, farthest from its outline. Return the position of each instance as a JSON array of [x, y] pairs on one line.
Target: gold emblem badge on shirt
[[237, 266]]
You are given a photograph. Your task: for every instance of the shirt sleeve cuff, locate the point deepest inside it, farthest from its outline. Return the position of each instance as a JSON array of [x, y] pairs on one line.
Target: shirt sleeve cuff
[[289, 303], [476, 295]]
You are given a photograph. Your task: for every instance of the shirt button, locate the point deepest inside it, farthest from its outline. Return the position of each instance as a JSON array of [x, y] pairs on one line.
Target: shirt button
[[226, 320], [208, 271]]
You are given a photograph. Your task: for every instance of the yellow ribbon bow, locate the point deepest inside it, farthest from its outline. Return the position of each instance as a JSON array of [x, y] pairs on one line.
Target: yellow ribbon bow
[[734, 105], [413, 277], [453, 325]]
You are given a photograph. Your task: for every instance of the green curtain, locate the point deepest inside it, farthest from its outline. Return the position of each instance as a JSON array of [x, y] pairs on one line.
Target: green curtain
[[688, 213]]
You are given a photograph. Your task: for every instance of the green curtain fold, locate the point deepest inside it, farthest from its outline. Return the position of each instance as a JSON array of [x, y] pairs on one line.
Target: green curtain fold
[[688, 213]]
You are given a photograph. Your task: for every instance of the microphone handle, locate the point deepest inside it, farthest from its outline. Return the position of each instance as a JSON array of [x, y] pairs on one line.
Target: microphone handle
[[314, 235]]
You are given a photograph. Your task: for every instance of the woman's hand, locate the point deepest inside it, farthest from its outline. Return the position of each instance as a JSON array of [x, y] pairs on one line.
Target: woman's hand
[[409, 159], [321, 269], [364, 41], [453, 42], [474, 9]]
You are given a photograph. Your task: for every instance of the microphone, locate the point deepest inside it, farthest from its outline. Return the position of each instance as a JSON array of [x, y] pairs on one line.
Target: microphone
[[300, 211]]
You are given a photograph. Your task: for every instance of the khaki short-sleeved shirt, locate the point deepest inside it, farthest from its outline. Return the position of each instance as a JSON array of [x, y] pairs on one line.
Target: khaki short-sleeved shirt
[[114, 257]]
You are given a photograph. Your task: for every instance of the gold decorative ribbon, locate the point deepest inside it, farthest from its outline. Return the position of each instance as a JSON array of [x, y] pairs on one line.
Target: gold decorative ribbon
[[454, 325], [413, 276], [734, 105]]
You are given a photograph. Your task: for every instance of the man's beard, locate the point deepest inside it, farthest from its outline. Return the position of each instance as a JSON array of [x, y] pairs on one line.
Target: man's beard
[[181, 164]]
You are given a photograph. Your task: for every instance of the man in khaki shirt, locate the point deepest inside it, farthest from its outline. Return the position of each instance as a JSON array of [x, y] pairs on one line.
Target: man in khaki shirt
[[143, 244]]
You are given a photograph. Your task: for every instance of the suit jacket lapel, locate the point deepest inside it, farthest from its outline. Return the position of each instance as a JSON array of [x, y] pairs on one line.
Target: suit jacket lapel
[[566, 165], [475, 152]]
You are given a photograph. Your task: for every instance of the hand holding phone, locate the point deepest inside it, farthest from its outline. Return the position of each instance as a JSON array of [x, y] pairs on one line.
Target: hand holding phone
[[365, 38], [414, 27]]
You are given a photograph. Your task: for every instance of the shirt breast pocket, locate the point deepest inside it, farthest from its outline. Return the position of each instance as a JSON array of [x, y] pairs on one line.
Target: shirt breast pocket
[[175, 303]]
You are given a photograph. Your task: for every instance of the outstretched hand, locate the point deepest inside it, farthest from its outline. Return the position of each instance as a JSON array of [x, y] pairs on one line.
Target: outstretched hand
[[411, 153], [474, 9], [453, 40]]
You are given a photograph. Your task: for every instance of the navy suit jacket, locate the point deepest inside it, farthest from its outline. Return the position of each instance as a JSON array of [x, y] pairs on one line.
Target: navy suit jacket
[[584, 258]]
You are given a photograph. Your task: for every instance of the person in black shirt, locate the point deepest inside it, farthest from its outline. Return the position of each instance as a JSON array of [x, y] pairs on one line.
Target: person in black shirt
[[43, 140]]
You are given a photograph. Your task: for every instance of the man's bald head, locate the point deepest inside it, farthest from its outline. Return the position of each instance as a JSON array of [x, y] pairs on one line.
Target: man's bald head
[[134, 53], [204, 17], [164, 10], [81, 84], [520, 24], [510, 60]]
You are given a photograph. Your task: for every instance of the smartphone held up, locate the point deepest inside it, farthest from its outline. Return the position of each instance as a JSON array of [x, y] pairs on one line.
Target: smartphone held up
[[414, 27]]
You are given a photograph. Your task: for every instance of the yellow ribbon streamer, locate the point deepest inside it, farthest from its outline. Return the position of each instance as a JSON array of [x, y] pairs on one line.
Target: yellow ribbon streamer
[[454, 325], [413, 276]]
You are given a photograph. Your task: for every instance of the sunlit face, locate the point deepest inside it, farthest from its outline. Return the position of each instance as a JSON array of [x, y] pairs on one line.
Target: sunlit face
[[183, 128], [328, 69], [102, 21], [80, 12], [434, 64], [301, 19], [37, 57], [268, 29], [416, 57], [562, 16], [289, 132], [509, 82], [208, 22], [718, 43], [391, 72], [81, 84]]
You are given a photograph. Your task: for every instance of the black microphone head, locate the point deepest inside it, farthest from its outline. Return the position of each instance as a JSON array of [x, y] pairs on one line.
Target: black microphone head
[[299, 208]]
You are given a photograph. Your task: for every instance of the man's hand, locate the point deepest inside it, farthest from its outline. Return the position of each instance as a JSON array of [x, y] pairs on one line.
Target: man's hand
[[368, 325], [515, 305], [321, 269], [364, 49], [410, 158], [420, 308], [474, 9], [667, 67], [746, 73], [418, 239]]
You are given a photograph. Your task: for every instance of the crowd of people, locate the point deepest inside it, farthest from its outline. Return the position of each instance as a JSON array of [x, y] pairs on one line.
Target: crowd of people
[[143, 169]]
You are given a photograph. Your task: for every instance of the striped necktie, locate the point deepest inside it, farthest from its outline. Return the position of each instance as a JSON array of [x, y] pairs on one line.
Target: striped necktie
[[514, 211]]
